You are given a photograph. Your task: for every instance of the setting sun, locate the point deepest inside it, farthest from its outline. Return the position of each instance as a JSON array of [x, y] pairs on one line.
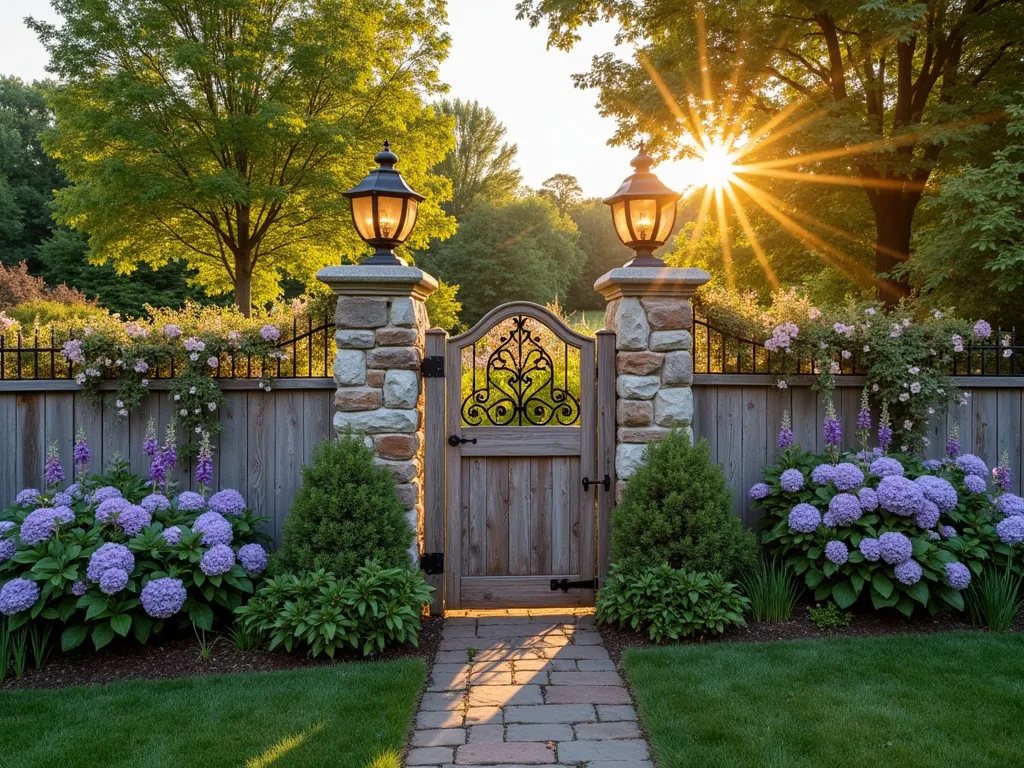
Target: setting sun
[[714, 168]]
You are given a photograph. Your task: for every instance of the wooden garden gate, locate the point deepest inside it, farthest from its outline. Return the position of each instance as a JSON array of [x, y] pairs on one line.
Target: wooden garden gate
[[519, 434]]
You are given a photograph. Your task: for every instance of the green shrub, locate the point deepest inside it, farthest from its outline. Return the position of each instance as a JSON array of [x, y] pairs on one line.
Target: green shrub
[[678, 509], [994, 599], [670, 603], [773, 589], [346, 512], [830, 616], [48, 312], [322, 613]]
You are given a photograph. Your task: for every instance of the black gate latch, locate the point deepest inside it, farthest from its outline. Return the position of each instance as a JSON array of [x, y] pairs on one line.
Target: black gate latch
[[565, 585], [432, 563], [607, 483], [432, 367]]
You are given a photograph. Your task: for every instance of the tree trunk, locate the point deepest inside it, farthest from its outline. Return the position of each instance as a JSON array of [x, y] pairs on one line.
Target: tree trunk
[[243, 284], [893, 218]]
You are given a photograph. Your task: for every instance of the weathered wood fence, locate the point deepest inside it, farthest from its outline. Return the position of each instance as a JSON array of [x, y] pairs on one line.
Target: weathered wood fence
[[740, 414], [266, 437]]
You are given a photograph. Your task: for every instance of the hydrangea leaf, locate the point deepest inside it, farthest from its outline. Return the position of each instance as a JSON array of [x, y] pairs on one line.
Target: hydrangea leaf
[[102, 635], [121, 623], [881, 584], [73, 636], [919, 592], [813, 579], [843, 594]]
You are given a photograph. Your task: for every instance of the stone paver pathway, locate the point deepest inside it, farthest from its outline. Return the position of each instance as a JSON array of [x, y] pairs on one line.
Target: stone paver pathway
[[535, 689]]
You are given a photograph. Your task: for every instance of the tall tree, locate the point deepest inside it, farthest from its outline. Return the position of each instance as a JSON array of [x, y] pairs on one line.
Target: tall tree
[[523, 250], [601, 247], [889, 88], [221, 132], [481, 166], [564, 190], [28, 176]]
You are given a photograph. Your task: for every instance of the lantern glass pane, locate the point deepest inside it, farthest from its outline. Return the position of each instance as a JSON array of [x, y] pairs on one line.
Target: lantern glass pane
[[643, 214], [668, 218], [362, 216], [619, 220], [410, 220], [389, 215]]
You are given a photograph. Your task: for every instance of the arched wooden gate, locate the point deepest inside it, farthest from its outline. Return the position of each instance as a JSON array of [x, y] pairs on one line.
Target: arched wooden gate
[[520, 465]]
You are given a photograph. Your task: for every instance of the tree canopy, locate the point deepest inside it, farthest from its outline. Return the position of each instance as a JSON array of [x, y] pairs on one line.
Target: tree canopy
[[875, 95], [481, 166], [221, 132], [525, 250]]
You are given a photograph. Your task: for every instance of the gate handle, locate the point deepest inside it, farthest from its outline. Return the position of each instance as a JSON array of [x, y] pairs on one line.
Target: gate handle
[[455, 441]]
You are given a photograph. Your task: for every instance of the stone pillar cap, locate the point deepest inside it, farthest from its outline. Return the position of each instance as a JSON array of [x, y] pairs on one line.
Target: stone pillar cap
[[359, 280], [641, 282]]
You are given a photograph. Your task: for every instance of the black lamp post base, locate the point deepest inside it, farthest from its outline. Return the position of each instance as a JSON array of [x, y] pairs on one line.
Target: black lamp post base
[[645, 259], [383, 257]]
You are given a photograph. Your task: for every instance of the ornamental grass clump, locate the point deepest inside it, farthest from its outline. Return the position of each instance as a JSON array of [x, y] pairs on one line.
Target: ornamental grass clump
[[898, 532], [772, 588], [113, 555], [677, 509]]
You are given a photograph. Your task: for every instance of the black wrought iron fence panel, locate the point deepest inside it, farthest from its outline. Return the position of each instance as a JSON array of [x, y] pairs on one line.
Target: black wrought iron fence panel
[[719, 351], [308, 353]]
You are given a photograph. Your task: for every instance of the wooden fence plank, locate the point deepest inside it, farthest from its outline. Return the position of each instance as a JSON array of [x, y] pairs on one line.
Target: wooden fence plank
[[755, 444], [31, 439], [289, 436], [606, 404], [805, 417], [986, 419], [89, 421], [232, 458], [705, 423], [1008, 431], [779, 402], [60, 427], [519, 517], [730, 439], [8, 466], [260, 477]]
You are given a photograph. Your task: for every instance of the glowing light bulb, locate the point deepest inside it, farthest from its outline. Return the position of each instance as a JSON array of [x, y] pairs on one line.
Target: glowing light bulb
[[643, 226], [387, 227]]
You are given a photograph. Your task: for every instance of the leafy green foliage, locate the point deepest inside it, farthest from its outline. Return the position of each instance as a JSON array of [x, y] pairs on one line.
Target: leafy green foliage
[[261, 114], [829, 616], [975, 544], [527, 238], [670, 603], [321, 613], [603, 251], [772, 588], [481, 166], [994, 600], [346, 512], [677, 509], [59, 562], [909, 84], [972, 255], [443, 307]]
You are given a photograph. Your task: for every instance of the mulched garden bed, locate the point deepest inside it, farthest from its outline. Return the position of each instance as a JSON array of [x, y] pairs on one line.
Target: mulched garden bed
[[800, 627], [178, 656]]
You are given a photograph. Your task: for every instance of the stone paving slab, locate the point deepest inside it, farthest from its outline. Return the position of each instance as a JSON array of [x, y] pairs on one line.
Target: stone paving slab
[[524, 688]]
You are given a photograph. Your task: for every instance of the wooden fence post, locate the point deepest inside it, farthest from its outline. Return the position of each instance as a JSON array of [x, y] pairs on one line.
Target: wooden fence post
[[433, 469], [605, 447]]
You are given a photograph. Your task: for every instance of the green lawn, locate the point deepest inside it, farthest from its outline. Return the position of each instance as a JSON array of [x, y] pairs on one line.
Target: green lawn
[[348, 716], [939, 700]]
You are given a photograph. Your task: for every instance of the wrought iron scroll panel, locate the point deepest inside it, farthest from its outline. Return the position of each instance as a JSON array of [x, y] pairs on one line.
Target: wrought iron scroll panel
[[520, 374]]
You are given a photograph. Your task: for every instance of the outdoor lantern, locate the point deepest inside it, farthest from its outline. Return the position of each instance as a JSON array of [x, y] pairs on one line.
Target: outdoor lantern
[[643, 211], [384, 209]]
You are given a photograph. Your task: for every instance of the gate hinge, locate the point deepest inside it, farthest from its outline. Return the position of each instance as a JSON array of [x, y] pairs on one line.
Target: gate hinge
[[565, 585], [432, 367], [432, 563], [607, 483]]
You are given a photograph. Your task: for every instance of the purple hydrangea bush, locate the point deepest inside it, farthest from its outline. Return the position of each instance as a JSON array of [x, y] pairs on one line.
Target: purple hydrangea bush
[[890, 531], [132, 558]]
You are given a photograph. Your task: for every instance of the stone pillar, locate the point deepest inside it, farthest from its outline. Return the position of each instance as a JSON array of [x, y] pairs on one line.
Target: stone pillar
[[649, 310], [380, 325]]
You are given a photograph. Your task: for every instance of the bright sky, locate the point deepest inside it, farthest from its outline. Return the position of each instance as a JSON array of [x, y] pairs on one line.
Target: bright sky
[[499, 61]]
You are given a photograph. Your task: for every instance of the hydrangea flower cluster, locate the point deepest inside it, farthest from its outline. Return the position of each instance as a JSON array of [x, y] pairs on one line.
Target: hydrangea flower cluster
[[1011, 530], [40, 524], [868, 499], [871, 549], [939, 491], [758, 491], [113, 580], [253, 558], [215, 528], [804, 518], [975, 484], [958, 575], [133, 519], [27, 497], [792, 480], [899, 495], [217, 560], [108, 510], [971, 465], [106, 492], [908, 572], [18, 595], [847, 476], [928, 516], [822, 474], [228, 502], [162, 598], [1010, 505], [172, 535], [190, 501], [895, 548], [843, 509], [885, 466], [155, 502], [837, 552], [108, 556]]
